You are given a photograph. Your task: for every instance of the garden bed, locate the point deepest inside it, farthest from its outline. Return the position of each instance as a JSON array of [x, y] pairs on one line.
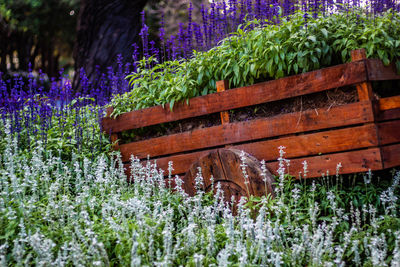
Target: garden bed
[[361, 132], [329, 99]]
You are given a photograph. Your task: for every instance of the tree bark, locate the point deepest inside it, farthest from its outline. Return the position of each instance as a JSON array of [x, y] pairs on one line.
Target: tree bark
[[105, 29]]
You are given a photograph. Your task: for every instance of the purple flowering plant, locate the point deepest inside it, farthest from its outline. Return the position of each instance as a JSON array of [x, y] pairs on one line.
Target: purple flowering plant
[[64, 201], [243, 41], [279, 40]]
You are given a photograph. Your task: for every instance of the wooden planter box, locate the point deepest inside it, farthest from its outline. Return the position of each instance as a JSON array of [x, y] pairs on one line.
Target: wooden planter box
[[361, 136]]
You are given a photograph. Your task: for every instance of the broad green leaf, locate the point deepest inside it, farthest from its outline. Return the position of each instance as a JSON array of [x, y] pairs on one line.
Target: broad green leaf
[[324, 32], [312, 38]]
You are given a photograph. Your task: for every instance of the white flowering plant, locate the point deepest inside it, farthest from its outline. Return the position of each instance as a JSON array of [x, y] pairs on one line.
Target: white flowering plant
[[79, 211]]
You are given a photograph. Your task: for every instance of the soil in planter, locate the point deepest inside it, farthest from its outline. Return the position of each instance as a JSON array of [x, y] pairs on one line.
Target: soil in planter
[[324, 99], [170, 128]]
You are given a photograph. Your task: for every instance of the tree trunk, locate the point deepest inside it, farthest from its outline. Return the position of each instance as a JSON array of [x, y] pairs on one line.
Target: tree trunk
[[105, 29]]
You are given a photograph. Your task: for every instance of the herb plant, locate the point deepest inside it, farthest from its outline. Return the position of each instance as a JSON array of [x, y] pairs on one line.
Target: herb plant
[[262, 51]]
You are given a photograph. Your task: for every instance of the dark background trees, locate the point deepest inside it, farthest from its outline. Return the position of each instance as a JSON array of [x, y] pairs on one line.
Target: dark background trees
[[80, 34], [71, 34], [40, 32], [106, 28]]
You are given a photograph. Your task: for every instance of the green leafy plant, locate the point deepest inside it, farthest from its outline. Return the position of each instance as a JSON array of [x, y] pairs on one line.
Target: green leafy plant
[[263, 51]]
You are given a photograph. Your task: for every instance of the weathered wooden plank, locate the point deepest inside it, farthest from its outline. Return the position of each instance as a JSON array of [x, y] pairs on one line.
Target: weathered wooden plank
[[210, 165], [389, 108], [225, 167], [391, 156], [310, 120], [379, 72], [223, 86], [232, 160], [297, 146], [389, 132], [364, 89], [181, 162], [315, 143], [389, 103], [351, 162], [390, 114], [302, 84]]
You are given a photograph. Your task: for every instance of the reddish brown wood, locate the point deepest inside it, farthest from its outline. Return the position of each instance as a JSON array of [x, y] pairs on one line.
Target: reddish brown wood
[[115, 141], [358, 54], [222, 86], [389, 108], [170, 183], [232, 160], [231, 133], [182, 162], [224, 165], [311, 82], [109, 110], [389, 114], [352, 162], [389, 132], [315, 143], [297, 146], [389, 103], [364, 89], [391, 156], [379, 72], [209, 165]]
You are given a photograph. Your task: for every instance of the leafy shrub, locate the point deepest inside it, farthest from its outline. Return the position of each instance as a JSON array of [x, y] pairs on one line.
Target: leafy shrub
[[72, 129], [259, 52]]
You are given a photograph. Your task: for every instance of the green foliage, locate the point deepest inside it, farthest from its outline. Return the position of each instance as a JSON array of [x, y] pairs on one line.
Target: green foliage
[[33, 28], [75, 132], [40, 16], [76, 208], [259, 52]]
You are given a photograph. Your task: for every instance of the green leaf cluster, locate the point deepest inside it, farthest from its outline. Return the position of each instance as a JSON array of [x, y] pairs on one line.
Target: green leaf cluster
[[72, 131], [264, 51]]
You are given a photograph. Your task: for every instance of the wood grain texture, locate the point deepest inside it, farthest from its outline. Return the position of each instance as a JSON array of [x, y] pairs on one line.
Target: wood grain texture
[[358, 54], [222, 86], [260, 183], [310, 120], [379, 72], [390, 114], [389, 103], [352, 162], [315, 143], [297, 146], [391, 156], [302, 84], [181, 162], [389, 108], [207, 165], [224, 165], [389, 132], [364, 89]]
